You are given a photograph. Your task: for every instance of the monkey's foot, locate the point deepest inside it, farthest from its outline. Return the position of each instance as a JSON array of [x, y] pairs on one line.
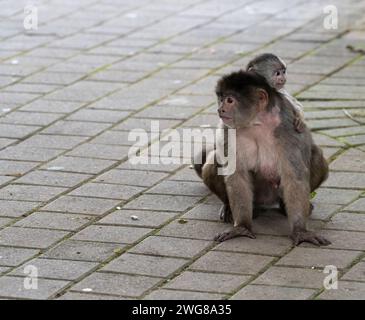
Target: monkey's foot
[[309, 236], [225, 213], [234, 232]]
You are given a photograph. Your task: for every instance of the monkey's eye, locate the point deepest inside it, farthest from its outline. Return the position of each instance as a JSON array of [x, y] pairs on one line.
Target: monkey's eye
[[284, 71], [229, 100], [277, 73]]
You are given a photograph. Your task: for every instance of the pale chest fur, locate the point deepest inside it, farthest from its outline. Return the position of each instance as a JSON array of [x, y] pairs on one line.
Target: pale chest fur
[[257, 147]]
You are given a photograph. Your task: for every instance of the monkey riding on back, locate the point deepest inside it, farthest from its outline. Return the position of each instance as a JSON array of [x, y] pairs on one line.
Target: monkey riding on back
[[274, 163]]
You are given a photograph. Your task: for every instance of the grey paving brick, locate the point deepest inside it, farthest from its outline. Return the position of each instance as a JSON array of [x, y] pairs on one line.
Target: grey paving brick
[[328, 153], [112, 234], [15, 168], [118, 284], [15, 256], [17, 97], [30, 238], [87, 296], [346, 291], [229, 262], [163, 294], [347, 221], [83, 91], [162, 202], [99, 151], [292, 277], [151, 219], [30, 118], [103, 190], [76, 164], [169, 246], [16, 209], [145, 124], [145, 265], [50, 141], [5, 179], [150, 167], [114, 138], [117, 76], [356, 273], [180, 188], [5, 221], [53, 178], [318, 257], [346, 180], [358, 205], [16, 131], [13, 287], [209, 282], [83, 251], [4, 142], [109, 116], [351, 160], [91, 206], [57, 269], [61, 78], [334, 196], [263, 244], [204, 211], [185, 174], [54, 220], [3, 270], [347, 240], [76, 128], [29, 193], [42, 105], [160, 112], [131, 177], [29, 153], [201, 230], [323, 211], [260, 292], [323, 140]]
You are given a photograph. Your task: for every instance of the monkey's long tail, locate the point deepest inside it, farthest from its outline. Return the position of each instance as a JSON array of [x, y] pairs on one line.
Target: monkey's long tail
[[199, 161]]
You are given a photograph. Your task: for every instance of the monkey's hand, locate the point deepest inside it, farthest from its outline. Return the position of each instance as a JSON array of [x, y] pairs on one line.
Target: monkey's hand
[[299, 124], [234, 232], [308, 236], [226, 214]]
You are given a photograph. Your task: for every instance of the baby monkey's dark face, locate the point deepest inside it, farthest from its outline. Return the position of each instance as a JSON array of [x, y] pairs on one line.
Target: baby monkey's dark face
[[278, 77]]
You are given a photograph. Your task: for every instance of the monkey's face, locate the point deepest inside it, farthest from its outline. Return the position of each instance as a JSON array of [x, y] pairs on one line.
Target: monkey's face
[[237, 111], [278, 78], [227, 106]]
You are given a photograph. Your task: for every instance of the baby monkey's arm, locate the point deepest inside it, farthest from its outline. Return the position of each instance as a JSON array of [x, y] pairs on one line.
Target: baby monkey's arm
[[297, 111], [298, 120]]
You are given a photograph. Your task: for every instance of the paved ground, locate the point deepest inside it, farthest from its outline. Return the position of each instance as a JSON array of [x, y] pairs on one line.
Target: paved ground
[[71, 91]]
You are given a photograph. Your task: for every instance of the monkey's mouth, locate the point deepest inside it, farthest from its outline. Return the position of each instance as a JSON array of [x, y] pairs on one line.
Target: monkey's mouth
[[225, 118]]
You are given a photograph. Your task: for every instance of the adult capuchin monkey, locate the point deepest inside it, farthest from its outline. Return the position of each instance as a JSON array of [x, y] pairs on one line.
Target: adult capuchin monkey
[[273, 162]]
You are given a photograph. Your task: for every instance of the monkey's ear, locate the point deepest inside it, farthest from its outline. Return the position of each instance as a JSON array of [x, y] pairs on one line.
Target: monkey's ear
[[263, 99]]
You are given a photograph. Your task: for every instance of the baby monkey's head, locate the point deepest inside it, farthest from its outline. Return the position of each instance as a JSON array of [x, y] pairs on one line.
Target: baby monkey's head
[[271, 67]]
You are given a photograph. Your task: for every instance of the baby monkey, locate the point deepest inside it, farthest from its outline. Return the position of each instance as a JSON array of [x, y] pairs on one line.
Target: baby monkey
[[273, 69]]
